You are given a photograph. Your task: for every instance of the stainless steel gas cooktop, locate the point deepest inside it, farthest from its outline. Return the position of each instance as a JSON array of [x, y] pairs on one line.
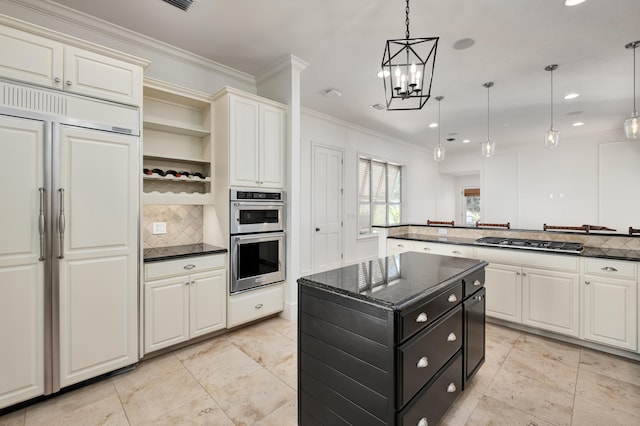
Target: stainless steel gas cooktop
[[542, 245]]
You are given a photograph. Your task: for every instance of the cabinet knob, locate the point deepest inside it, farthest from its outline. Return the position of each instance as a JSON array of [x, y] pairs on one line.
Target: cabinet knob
[[317, 229], [426, 249], [189, 266], [258, 306], [587, 282], [452, 298], [422, 362], [422, 317], [456, 252], [57, 80], [478, 298], [400, 245], [477, 283], [423, 422], [518, 273], [451, 337], [451, 388], [69, 83], [609, 269]]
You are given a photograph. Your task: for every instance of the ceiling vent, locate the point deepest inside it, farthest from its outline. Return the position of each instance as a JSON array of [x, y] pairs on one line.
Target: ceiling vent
[[180, 4]]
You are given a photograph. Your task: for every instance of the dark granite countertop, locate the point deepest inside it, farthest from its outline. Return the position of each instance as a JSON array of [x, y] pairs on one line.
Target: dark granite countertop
[[394, 281], [158, 254], [603, 253]]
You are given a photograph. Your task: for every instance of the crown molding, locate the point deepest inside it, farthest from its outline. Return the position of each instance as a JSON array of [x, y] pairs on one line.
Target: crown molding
[[373, 133], [51, 9], [290, 62]]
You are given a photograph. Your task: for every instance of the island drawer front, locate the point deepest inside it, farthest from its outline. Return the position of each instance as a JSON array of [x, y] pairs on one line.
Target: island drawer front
[[473, 282], [610, 268], [420, 317], [425, 354], [183, 266], [435, 400]]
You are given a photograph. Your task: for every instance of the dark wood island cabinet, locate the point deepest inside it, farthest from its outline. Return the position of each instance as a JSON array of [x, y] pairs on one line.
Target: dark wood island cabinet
[[391, 341]]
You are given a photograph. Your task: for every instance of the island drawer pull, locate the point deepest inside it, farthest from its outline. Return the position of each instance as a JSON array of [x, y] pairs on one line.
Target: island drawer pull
[[423, 362], [451, 337], [452, 298], [451, 388], [477, 283], [609, 269], [189, 266], [400, 245], [423, 422], [426, 249], [422, 317], [456, 252], [258, 306]]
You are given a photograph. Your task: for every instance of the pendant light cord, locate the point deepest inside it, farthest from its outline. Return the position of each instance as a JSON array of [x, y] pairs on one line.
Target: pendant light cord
[[634, 75], [488, 133], [551, 99], [439, 100]]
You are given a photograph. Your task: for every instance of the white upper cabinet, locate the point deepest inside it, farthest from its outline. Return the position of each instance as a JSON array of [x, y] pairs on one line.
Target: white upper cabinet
[[254, 129], [39, 60]]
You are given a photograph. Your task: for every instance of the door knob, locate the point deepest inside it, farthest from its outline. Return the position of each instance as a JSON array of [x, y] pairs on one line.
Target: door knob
[[317, 229]]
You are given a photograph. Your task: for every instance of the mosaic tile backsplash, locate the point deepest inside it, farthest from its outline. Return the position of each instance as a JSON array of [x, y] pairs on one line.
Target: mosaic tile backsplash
[[184, 225]]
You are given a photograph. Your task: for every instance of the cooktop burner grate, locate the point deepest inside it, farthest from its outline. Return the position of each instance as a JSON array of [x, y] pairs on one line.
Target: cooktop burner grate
[[543, 245]]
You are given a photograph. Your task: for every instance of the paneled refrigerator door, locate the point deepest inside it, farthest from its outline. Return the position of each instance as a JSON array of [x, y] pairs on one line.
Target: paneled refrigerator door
[[22, 259], [95, 209]]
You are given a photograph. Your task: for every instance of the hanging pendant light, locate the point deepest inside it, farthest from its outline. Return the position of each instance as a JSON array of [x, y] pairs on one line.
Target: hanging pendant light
[[488, 146], [438, 152], [632, 124], [407, 70], [551, 136]]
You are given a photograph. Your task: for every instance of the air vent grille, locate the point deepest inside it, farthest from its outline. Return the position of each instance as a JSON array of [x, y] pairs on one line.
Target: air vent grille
[[26, 98], [180, 4]]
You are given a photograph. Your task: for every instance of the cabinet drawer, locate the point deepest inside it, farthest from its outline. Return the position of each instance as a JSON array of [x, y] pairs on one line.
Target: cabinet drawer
[[610, 268], [436, 398], [473, 282], [254, 304], [418, 318], [399, 246], [425, 354], [187, 265]]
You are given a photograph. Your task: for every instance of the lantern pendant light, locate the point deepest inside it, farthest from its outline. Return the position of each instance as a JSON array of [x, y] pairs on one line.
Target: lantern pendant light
[[438, 152], [488, 146], [551, 136], [632, 124]]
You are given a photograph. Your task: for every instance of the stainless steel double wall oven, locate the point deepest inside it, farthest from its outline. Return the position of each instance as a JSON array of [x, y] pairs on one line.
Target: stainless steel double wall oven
[[257, 238]]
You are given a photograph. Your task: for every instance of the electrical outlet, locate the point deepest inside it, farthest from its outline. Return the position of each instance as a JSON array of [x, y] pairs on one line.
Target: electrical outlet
[[159, 228], [442, 231]]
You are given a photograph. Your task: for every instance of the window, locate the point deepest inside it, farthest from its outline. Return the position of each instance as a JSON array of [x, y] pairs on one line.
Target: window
[[471, 205], [379, 194]]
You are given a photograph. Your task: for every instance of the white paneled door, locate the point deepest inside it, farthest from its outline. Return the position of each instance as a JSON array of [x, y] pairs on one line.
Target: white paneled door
[[21, 270], [97, 189], [327, 208]]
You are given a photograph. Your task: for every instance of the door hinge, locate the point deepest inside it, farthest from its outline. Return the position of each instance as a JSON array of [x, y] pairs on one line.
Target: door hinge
[[341, 255], [342, 223]]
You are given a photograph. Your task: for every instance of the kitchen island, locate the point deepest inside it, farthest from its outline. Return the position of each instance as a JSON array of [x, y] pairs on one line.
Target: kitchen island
[[389, 341]]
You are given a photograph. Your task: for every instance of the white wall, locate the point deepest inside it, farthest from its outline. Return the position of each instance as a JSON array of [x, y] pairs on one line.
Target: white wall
[[420, 179], [591, 180]]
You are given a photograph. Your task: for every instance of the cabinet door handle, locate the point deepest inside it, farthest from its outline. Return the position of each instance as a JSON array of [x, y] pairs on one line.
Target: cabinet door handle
[[451, 337], [452, 298], [609, 269], [456, 252], [423, 422], [189, 266], [422, 317], [422, 362], [477, 283], [524, 275], [518, 273], [41, 225], [451, 388], [61, 225], [587, 282], [57, 80], [258, 306]]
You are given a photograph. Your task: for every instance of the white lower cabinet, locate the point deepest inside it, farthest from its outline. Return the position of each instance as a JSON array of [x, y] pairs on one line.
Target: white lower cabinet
[[182, 307], [551, 301], [610, 292], [396, 246], [504, 291], [254, 304]]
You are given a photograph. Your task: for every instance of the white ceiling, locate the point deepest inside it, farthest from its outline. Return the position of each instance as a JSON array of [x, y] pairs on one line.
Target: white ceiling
[[343, 41]]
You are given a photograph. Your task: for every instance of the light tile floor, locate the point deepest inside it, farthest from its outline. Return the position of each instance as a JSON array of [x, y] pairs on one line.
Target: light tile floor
[[248, 377]]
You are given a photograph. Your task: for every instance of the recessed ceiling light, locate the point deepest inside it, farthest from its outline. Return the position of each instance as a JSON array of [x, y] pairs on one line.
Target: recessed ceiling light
[[433, 125], [578, 124], [377, 106], [571, 96], [573, 2], [463, 43], [466, 140], [383, 73], [331, 93]]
